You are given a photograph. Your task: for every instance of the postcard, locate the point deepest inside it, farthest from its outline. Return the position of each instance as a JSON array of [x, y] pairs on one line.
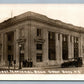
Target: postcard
[[41, 42]]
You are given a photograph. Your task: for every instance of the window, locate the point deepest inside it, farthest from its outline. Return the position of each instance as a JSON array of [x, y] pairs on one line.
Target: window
[[51, 46], [38, 32], [39, 57], [51, 35], [65, 47], [9, 47], [58, 36], [39, 46], [9, 38]]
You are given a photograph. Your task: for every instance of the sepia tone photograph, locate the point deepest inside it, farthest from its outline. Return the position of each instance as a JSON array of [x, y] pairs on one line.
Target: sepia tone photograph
[[41, 39]]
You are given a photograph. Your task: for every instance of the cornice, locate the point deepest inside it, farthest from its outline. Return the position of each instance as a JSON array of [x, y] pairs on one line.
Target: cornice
[[29, 16]]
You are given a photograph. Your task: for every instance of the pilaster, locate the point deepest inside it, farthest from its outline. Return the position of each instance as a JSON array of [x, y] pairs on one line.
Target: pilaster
[[45, 46], [17, 47]]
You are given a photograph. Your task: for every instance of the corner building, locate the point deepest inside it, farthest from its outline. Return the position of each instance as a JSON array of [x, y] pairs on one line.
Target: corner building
[[46, 42]]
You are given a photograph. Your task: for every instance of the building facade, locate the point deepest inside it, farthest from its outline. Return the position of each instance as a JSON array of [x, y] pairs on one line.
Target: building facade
[[39, 39]]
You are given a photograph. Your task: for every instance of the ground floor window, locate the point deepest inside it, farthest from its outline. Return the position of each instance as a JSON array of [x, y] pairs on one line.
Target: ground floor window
[[39, 57]]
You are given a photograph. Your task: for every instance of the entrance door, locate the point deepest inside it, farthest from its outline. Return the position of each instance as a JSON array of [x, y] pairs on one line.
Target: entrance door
[[10, 47]]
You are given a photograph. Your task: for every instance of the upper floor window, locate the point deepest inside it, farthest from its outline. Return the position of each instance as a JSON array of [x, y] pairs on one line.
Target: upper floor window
[[9, 47], [39, 46], [52, 35], [38, 32], [75, 39], [58, 36]]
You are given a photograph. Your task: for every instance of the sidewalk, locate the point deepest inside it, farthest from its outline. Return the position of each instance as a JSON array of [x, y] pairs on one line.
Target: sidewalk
[[28, 68], [32, 68]]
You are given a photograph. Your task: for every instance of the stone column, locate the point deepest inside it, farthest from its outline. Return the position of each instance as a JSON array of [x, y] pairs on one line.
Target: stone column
[[72, 47], [60, 46], [79, 46], [17, 47], [45, 46], [57, 48], [69, 47]]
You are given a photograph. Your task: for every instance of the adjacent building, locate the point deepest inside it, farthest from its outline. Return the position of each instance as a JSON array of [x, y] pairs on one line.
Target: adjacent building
[[37, 38]]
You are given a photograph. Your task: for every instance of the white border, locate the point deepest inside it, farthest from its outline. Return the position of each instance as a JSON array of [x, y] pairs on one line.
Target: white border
[[41, 77]]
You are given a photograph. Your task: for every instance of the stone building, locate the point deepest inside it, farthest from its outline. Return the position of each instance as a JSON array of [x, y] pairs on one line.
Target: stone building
[[42, 40]]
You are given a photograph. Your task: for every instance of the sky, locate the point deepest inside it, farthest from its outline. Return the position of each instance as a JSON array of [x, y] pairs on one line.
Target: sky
[[68, 13]]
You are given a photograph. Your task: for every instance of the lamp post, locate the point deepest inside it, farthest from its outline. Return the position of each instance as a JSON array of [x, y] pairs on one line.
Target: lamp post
[[20, 43]]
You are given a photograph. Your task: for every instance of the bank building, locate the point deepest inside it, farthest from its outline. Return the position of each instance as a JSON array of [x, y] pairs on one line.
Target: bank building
[[37, 38]]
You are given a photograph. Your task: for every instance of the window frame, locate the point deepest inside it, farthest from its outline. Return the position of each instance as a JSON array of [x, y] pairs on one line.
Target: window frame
[[40, 59], [39, 32], [39, 46]]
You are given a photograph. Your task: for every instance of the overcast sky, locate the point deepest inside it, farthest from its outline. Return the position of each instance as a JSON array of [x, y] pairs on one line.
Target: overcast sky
[[69, 13]]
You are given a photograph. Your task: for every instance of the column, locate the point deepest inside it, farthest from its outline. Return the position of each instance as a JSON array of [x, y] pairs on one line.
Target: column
[[60, 50], [57, 48], [17, 47], [79, 46], [45, 46], [72, 47], [69, 47]]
